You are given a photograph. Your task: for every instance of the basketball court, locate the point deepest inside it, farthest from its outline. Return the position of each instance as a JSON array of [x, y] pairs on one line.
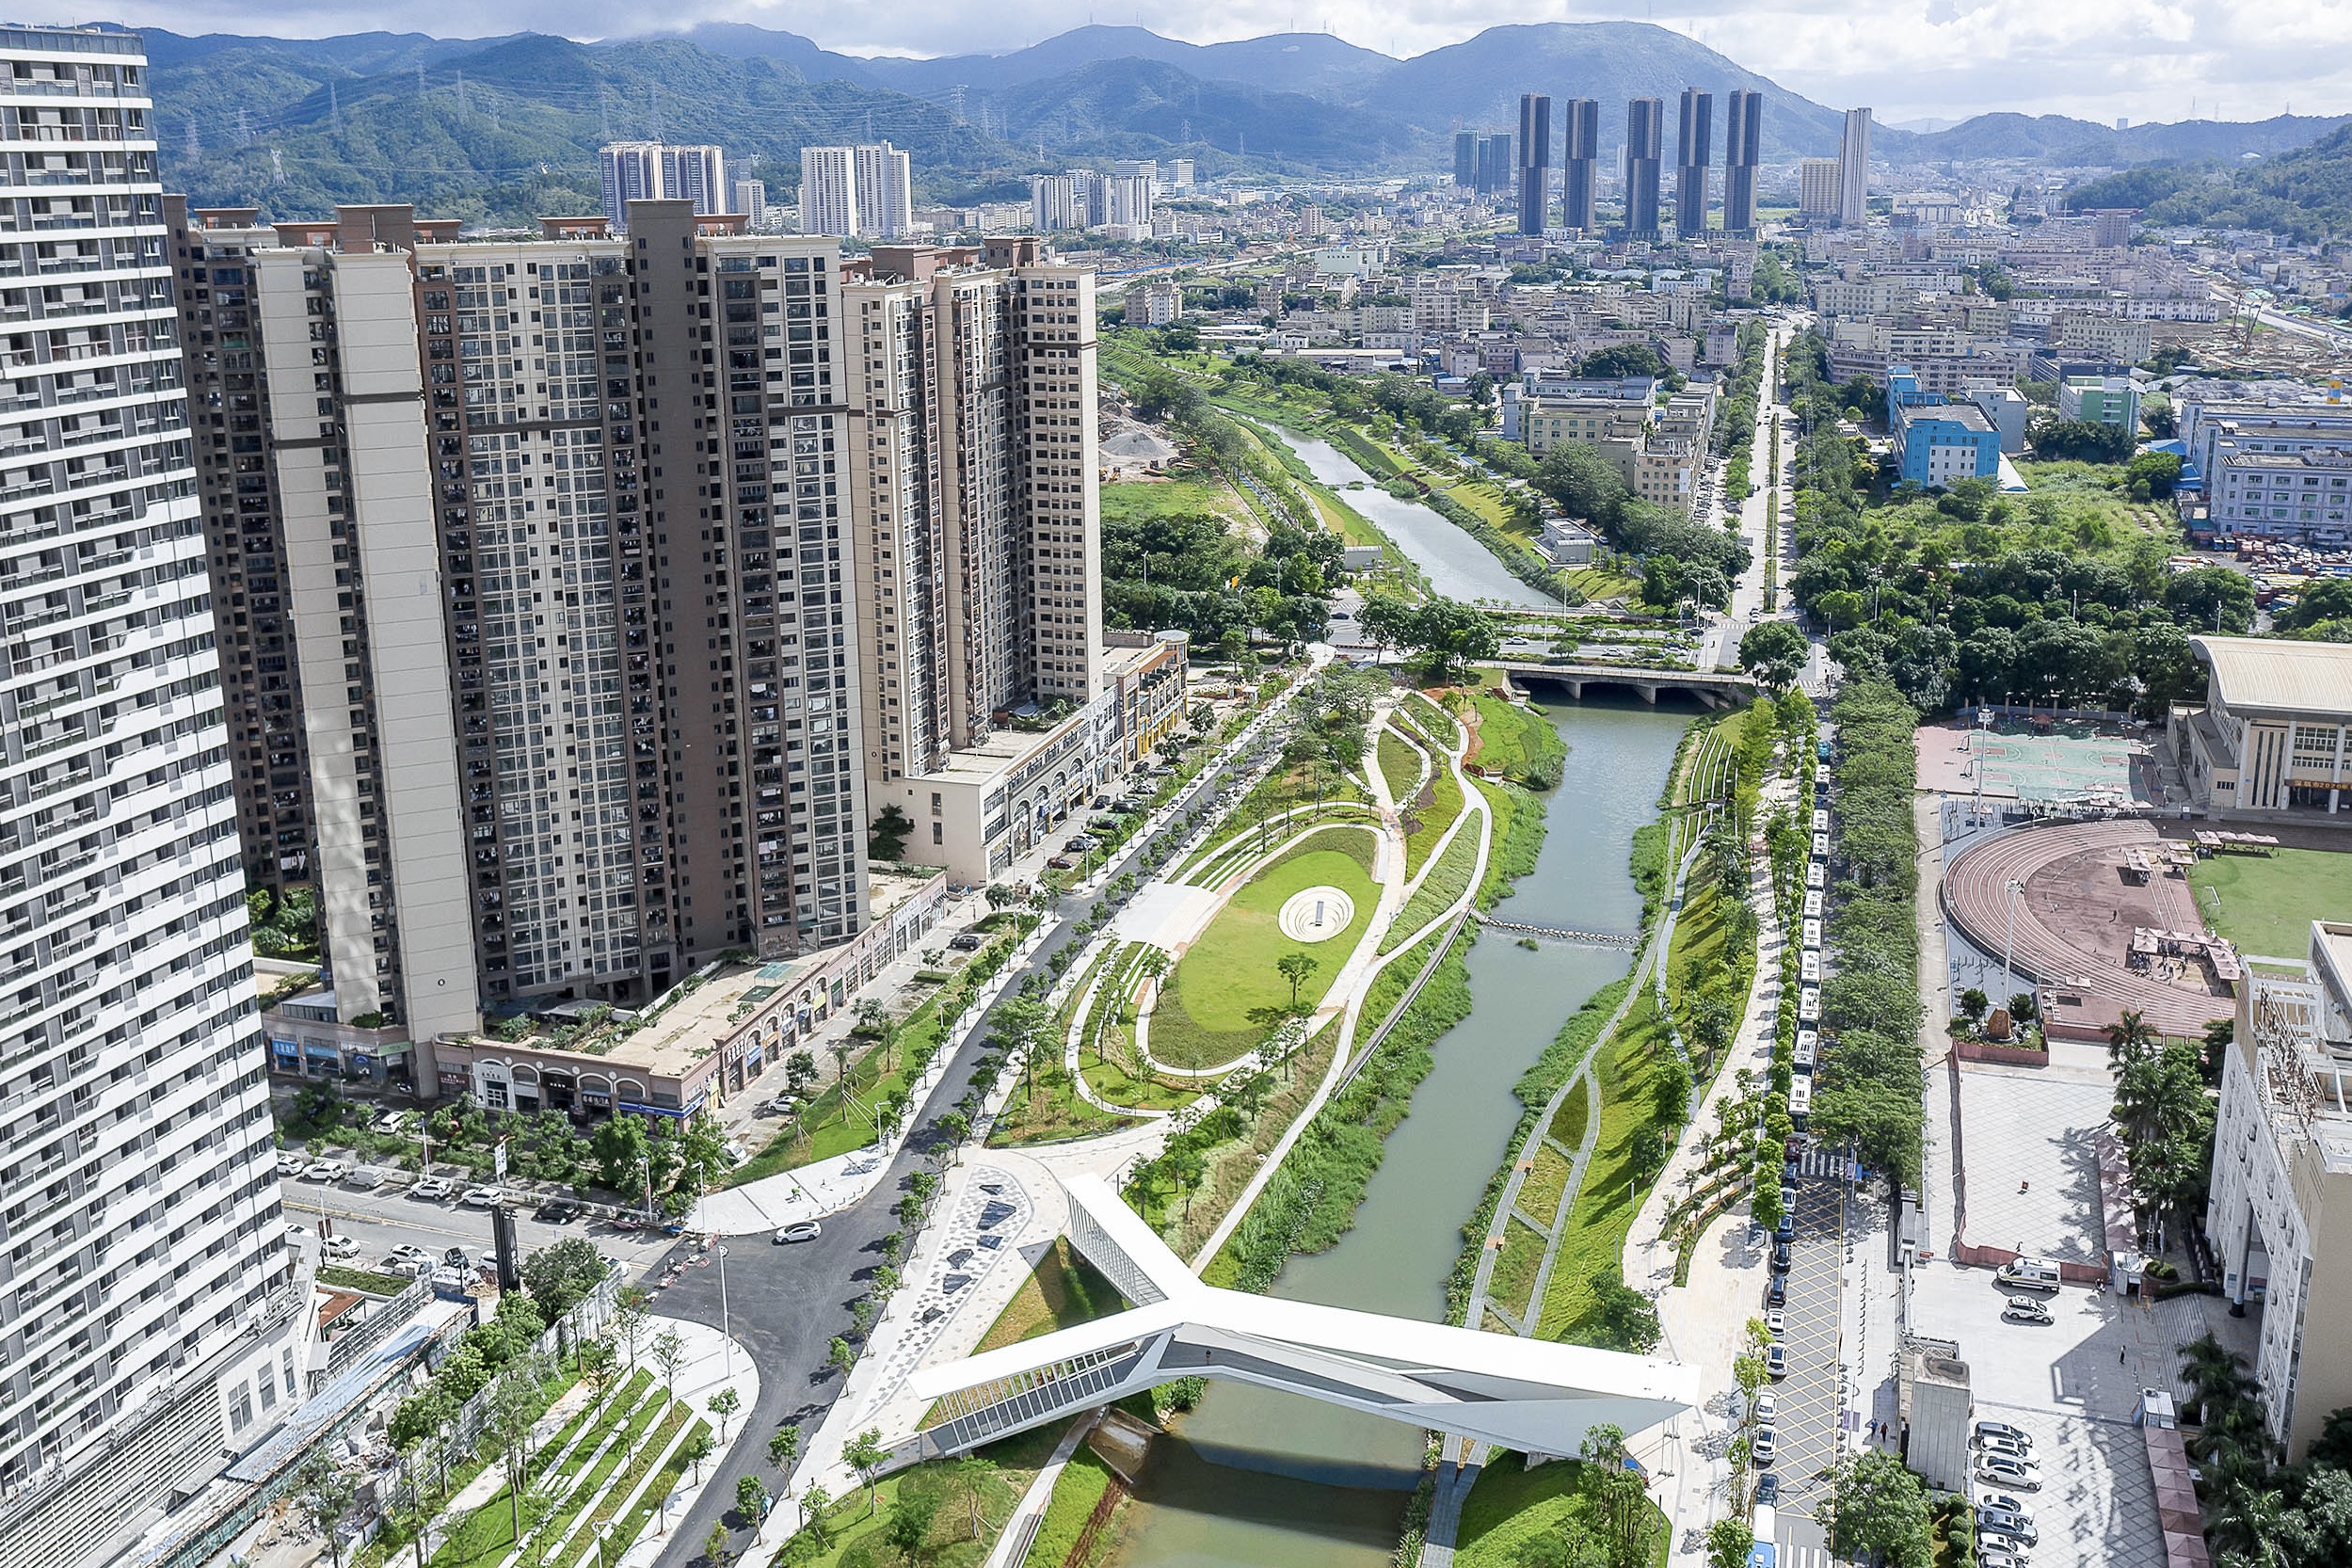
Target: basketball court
[[2011, 762]]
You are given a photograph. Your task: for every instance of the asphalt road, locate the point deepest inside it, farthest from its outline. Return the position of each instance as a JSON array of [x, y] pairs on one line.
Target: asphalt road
[[1808, 1413], [787, 1303]]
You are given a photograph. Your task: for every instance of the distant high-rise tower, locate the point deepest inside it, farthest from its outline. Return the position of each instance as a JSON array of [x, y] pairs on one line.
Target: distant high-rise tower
[[696, 174], [1495, 165], [1465, 159], [1535, 160], [1743, 149], [856, 192], [1581, 131], [1645, 127], [656, 171], [1694, 146], [1853, 170], [1816, 190]]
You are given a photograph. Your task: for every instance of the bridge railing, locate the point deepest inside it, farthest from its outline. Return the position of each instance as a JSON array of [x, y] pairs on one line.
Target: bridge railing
[[986, 1410]]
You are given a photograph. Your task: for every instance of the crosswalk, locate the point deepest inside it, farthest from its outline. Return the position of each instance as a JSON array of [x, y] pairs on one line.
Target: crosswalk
[[1822, 1163], [1790, 1555]]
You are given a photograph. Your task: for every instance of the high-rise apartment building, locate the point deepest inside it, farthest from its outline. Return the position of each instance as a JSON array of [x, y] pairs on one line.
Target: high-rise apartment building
[[1495, 167], [1535, 160], [1743, 151], [1053, 203], [751, 199], [1693, 147], [151, 1317], [861, 192], [1128, 198], [1853, 170], [558, 605], [1817, 188], [1645, 135], [1465, 159], [657, 171], [1581, 139]]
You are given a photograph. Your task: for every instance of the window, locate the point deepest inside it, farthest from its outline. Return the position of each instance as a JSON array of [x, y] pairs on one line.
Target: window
[[939, 833]]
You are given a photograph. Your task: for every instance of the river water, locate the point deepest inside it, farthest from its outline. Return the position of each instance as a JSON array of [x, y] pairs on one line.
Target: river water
[[1258, 1480], [1457, 567]]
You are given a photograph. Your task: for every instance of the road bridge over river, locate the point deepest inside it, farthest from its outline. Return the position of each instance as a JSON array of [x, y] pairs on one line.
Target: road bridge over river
[[1713, 688]]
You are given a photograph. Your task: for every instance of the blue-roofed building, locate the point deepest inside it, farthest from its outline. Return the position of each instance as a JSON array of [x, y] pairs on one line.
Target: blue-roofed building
[[1936, 443]]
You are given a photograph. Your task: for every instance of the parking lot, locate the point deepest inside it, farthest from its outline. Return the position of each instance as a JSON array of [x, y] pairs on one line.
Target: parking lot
[[1808, 1413], [387, 1217], [2072, 1385]]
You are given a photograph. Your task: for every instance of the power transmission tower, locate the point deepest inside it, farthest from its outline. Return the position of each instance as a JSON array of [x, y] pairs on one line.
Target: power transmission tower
[[334, 109]]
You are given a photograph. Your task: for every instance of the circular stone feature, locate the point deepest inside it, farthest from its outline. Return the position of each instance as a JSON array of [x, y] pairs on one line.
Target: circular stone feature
[[1316, 914]]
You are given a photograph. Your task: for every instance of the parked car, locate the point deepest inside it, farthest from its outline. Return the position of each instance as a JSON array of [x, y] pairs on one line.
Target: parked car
[[1766, 1406], [435, 1189], [1776, 1293], [1990, 1556], [2002, 1429], [2008, 1448], [2024, 1310], [290, 1163], [783, 1105], [1781, 1255], [297, 1235], [1786, 1229], [1078, 843], [340, 1248], [966, 941], [454, 1257], [1769, 1488], [408, 1267], [411, 1252], [556, 1211], [799, 1230], [1776, 1359], [452, 1281], [1102, 802], [327, 1170], [1776, 1322], [1763, 1447], [389, 1122], [484, 1197], [366, 1179], [2002, 1499], [2012, 1536], [2003, 1471], [1060, 862]]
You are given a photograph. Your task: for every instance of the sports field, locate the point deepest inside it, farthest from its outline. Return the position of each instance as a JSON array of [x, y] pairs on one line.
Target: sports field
[[2266, 904]]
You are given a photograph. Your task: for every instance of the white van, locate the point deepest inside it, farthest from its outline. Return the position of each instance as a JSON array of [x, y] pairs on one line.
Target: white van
[[2029, 1274]]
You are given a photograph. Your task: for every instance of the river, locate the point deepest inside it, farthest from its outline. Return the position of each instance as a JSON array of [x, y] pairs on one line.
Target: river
[[1457, 565], [1258, 1480]]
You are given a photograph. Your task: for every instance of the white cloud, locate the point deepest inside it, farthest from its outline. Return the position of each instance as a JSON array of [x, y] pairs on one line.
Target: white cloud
[[2150, 59]]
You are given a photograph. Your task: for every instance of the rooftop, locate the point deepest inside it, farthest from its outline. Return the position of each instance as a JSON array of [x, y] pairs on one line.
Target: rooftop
[[2257, 675]]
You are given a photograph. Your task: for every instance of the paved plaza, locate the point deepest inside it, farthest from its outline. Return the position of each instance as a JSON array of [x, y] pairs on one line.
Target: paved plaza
[[2029, 1179], [2012, 762]]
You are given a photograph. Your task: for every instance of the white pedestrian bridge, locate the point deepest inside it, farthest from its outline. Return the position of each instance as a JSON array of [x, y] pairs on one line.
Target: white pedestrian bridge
[[1526, 1394]]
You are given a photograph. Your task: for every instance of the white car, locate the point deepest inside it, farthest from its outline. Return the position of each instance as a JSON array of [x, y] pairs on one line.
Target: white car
[[484, 1197], [2002, 1499], [340, 1248], [1768, 1407], [2001, 1471], [1765, 1445], [1993, 1556], [366, 1179], [389, 1122], [297, 1235], [800, 1230], [290, 1163], [434, 1189], [2006, 1447], [1987, 1429], [327, 1170], [1776, 1359], [1776, 1322]]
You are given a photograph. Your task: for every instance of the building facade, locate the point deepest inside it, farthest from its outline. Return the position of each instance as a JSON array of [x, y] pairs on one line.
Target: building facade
[[1693, 148], [1581, 149], [1817, 191], [1645, 137], [662, 171], [2274, 736], [1853, 170], [1938, 442], [1743, 152], [1535, 160], [152, 1314]]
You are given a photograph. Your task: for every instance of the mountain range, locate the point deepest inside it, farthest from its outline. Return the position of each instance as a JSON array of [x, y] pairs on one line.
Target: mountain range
[[507, 127]]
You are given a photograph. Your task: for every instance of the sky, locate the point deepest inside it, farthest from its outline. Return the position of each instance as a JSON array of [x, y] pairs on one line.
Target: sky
[[2145, 59]]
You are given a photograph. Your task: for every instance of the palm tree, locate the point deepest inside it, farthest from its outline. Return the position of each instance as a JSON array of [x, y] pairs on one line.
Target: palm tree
[[2131, 1035]]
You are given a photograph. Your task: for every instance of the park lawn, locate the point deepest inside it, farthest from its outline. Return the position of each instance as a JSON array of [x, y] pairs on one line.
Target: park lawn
[[1539, 1194], [2266, 904], [1428, 816], [1055, 1112], [1514, 1279], [1190, 495], [1568, 1121], [1075, 1491], [1225, 994], [1510, 1507], [1516, 741], [1594, 1236], [1601, 583], [1013, 1463], [1399, 765], [1063, 1291], [1114, 1083], [1445, 883]]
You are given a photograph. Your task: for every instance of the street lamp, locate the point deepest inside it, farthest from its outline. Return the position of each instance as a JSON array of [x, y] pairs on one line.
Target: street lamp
[[727, 1327], [2008, 942]]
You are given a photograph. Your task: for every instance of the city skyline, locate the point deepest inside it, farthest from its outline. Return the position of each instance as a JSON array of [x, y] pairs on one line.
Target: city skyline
[[1929, 59]]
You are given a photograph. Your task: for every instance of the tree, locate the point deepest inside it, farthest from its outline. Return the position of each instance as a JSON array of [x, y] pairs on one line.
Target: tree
[[630, 1310], [323, 1491], [910, 1527], [1729, 1542], [1626, 1319], [716, 1547], [784, 1450], [751, 1502], [2211, 599], [669, 1354], [1000, 897], [865, 1454], [1774, 651], [840, 1355], [970, 1476], [696, 1448], [560, 1276], [620, 1147], [1450, 636], [1387, 620], [514, 1410], [1622, 1502], [886, 835], [1974, 1005], [814, 1504], [1875, 1506], [724, 1404], [1296, 967]]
